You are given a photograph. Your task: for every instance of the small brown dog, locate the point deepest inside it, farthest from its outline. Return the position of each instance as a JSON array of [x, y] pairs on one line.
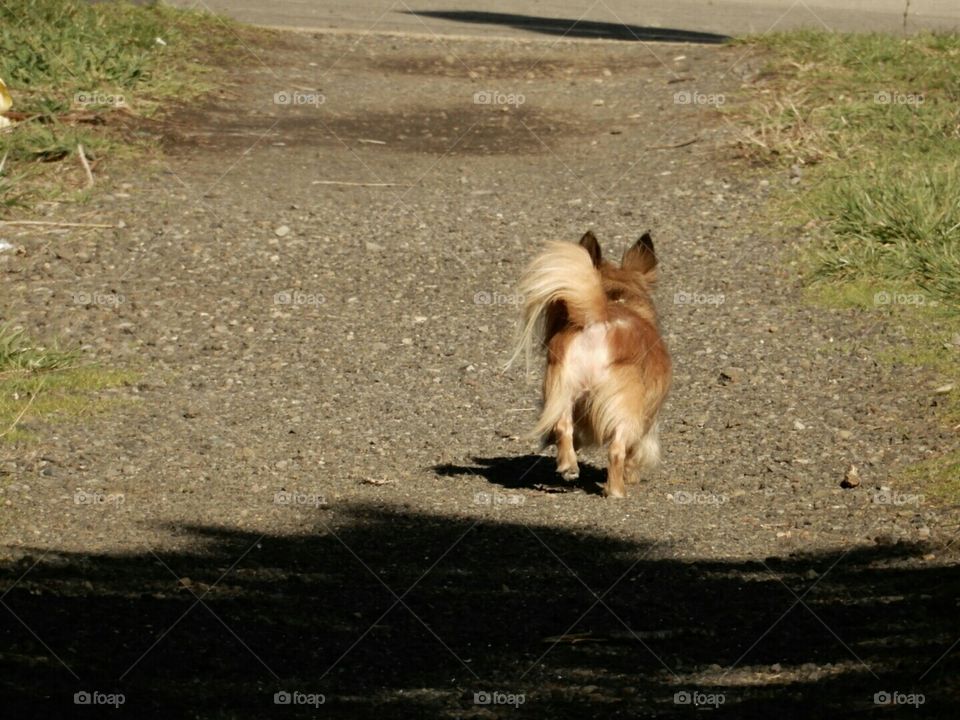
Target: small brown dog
[[608, 371]]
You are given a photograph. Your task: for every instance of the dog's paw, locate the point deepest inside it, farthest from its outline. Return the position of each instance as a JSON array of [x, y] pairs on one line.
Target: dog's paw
[[613, 492], [570, 474]]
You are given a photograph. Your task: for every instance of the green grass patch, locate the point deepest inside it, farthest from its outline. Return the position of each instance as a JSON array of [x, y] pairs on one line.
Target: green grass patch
[[939, 478], [82, 73], [872, 122], [40, 382]]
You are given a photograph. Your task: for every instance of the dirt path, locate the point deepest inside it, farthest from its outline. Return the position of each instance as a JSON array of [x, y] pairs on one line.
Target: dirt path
[[322, 488]]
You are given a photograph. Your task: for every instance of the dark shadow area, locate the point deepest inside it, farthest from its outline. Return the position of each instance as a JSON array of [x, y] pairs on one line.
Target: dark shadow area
[[495, 612], [574, 28], [527, 471]]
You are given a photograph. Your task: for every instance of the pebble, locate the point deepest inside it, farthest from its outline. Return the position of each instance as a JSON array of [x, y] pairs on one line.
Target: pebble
[[851, 479], [282, 231], [924, 533], [731, 375]]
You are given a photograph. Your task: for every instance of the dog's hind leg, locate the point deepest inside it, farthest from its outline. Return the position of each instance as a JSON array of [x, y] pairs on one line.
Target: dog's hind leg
[[559, 405], [566, 455], [644, 454], [616, 462]]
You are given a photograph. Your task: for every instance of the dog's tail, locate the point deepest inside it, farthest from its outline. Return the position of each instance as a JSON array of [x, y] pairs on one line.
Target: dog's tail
[[565, 273]]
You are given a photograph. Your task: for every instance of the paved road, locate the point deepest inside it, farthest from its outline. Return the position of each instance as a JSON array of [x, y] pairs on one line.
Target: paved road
[[602, 18]]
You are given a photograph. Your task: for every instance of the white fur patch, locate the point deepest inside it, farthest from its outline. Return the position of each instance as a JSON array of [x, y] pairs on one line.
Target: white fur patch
[[587, 360]]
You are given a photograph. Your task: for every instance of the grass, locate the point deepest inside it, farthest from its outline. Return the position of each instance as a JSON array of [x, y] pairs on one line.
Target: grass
[[38, 382], [82, 73], [872, 123]]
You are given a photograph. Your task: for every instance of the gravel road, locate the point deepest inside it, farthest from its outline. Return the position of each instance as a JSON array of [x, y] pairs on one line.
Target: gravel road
[[317, 485]]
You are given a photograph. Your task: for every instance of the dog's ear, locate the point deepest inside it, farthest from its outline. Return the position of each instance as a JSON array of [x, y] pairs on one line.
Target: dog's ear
[[592, 246], [640, 258]]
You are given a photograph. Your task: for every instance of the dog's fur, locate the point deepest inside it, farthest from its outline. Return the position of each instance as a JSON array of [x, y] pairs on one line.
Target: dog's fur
[[608, 371]]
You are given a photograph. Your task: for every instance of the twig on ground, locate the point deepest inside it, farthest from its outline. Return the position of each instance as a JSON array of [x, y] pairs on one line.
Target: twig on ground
[[356, 184], [675, 146], [57, 224], [86, 165], [20, 416]]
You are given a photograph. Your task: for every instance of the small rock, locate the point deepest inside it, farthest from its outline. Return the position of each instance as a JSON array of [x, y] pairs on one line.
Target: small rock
[[282, 231], [797, 425], [374, 247], [598, 102], [844, 434], [851, 479], [945, 389], [731, 375], [924, 533]]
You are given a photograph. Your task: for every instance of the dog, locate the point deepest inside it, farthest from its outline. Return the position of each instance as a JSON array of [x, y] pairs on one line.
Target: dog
[[608, 371]]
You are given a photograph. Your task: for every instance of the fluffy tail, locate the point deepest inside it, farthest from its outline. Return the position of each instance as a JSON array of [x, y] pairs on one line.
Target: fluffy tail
[[563, 272]]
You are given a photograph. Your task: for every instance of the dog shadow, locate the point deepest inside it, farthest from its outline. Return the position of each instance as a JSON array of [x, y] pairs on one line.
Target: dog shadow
[[532, 472]]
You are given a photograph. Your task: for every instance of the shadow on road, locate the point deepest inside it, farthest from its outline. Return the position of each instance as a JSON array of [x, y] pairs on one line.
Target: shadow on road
[[573, 28], [407, 615], [527, 471]]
